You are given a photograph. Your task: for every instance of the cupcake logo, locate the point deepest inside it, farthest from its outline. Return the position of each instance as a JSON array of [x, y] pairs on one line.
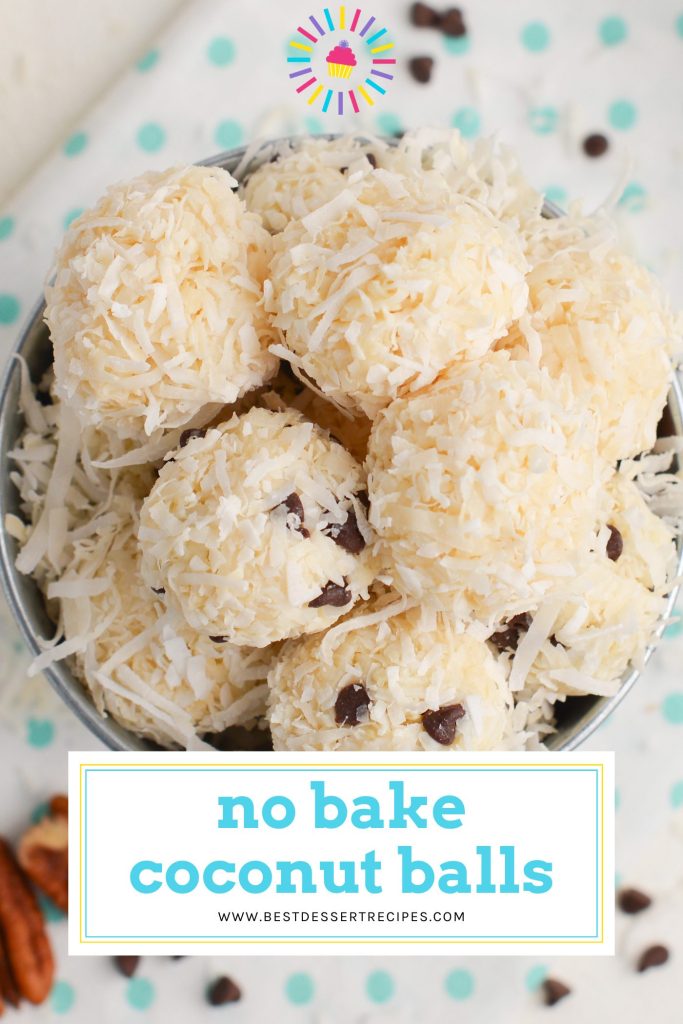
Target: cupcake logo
[[341, 62]]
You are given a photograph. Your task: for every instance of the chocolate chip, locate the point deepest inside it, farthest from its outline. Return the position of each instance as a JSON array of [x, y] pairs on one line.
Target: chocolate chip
[[187, 436], [127, 965], [595, 145], [371, 159], [351, 704], [554, 990], [364, 499], [421, 68], [507, 639], [666, 426], [653, 956], [452, 22], [219, 639], [347, 536], [555, 642], [333, 595], [223, 990], [442, 724], [294, 505], [158, 590], [633, 901], [236, 737], [423, 16], [615, 544]]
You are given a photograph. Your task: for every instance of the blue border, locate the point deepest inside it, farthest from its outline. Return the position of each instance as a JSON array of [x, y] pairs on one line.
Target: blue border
[[346, 938]]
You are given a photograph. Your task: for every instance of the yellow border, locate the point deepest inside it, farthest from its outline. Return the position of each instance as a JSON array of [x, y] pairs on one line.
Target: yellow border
[[349, 942]]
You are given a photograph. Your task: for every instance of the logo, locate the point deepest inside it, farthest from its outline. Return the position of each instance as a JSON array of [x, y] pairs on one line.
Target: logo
[[341, 60]]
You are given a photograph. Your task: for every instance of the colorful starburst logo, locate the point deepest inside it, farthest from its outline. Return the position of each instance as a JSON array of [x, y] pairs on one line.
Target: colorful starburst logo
[[341, 61]]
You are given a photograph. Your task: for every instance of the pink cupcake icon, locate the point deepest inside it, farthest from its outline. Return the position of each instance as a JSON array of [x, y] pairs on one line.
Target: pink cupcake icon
[[341, 61]]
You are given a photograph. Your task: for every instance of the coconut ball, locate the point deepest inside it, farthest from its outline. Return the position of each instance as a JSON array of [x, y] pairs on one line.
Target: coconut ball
[[301, 177], [388, 679], [484, 487], [391, 281], [257, 531], [600, 320], [156, 309], [156, 677]]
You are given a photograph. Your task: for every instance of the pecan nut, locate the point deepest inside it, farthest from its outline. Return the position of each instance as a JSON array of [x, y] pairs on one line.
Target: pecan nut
[[9, 992], [43, 853], [29, 955]]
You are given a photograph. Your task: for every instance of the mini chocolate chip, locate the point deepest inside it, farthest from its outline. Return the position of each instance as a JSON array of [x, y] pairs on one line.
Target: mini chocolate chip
[[633, 901], [666, 426], [507, 639], [187, 436], [343, 170], [347, 536], [554, 990], [219, 639], [127, 965], [442, 724], [423, 16], [364, 499], [595, 145], [294, 505], [653, 956], [555, 642], [421, 68], [158, 590], [333, 595], [615, 543], [371, 159], [351, 704], [452, 22], [223, 990]]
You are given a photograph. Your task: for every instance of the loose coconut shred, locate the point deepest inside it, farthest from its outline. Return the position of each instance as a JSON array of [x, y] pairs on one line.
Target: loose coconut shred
[[467, 414]]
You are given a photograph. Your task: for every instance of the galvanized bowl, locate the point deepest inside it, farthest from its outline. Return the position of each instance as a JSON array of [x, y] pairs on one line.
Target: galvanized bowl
[[578, 717]]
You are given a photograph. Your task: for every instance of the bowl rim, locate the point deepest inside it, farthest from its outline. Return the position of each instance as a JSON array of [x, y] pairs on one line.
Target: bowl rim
[[70, 689]]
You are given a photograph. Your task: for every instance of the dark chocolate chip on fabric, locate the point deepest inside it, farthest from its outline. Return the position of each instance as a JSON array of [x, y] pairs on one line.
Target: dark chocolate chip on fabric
[[347, 536], [351, 705], [333, 595], [595, 145], [653, 956], [223, 990], [127, 965], [554, 991], [421, 68], [452, 23], [507, 639], [158, 590], [424, 16], [442, 724], [633, 901], [187, 436], [615, 544], [218, 639]]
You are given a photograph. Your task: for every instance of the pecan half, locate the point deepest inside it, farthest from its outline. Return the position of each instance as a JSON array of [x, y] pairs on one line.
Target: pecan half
[[43, 853], [8, 987], [29, 955]]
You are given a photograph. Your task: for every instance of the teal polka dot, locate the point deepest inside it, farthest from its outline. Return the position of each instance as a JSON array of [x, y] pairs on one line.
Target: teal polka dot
[[676, 794], [535, 977], [140, 993], [6, 227], [612, 30], [679, 25], [299, 989], [9, 308], [75, 144], [147, 61], [50, 912], [389, 124], [459, 984], [228, 134], [674, 629], [221, 51], [535, 37], [543, 120], [151, 137], [71, 216], [622, 115], [40, 732], [467, 121], [314, 125], [62, 997], [672, 708], [457, 45], [634, 198], [379, 986], [556, 194]]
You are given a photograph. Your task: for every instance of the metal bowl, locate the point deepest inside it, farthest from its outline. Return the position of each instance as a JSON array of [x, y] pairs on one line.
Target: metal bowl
[[578, 717]]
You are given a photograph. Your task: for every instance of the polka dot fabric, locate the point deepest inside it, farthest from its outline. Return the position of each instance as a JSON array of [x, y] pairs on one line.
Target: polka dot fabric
[[544, 76]]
